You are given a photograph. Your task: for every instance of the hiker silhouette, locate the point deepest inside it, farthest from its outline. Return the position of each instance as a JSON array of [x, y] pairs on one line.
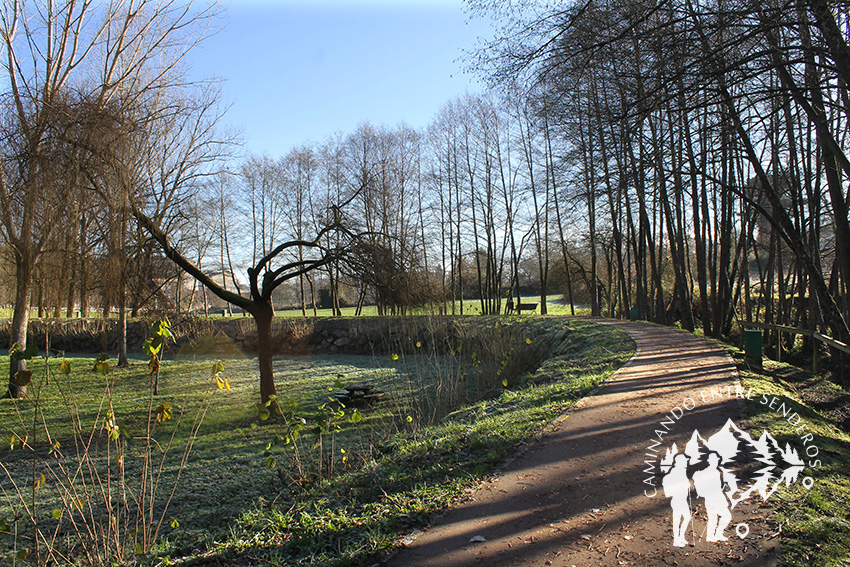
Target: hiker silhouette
[[677, 487], [710, 485], [724, 470]]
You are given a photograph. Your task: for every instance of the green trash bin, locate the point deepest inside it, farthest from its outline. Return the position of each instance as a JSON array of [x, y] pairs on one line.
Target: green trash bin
[[633, 313], [752, 346]]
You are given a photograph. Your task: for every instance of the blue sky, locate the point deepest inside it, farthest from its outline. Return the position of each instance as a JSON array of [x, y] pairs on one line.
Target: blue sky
[[298, 71]]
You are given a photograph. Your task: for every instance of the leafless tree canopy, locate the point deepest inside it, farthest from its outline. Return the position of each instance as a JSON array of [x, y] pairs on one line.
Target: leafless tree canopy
[[678, 161]]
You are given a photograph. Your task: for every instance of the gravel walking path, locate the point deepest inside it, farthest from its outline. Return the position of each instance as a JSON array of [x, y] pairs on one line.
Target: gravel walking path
[[581, 497]]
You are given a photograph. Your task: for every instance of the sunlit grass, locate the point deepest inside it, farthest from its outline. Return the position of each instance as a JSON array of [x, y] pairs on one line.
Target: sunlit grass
[[392, 466], [556, 305], [815, 522], [353, 518]]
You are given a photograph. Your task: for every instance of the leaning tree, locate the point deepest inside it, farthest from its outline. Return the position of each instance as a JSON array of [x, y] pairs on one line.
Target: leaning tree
[[265, 276]]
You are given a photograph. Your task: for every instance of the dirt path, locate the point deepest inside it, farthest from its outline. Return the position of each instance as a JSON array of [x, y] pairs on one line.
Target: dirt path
[[579, 496]]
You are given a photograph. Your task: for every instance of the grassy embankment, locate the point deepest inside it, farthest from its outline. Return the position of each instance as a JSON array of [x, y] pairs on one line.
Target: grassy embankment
[[814, 522], [343, 489]]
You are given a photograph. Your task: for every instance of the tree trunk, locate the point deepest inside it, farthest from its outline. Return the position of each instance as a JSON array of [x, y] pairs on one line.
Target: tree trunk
[[178, 288], [123, 361], [20, 319], [40, 297], [303, 295], [697, 191], [263, 318], [313, 296], [122, 292], [84, 273], [63, 283], [69, 306]]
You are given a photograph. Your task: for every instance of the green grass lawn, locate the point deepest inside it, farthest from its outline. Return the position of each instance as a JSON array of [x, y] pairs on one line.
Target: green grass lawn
[[233, 438], [341, 490], [556, 305], [351, 482]]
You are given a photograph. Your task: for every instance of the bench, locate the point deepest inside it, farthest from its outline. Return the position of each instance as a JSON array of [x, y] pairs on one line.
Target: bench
[[358, 394], [526, 307]]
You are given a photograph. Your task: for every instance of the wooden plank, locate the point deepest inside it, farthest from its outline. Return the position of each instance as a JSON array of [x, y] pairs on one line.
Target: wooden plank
[[833, 343], [770, 327], [843, 347]]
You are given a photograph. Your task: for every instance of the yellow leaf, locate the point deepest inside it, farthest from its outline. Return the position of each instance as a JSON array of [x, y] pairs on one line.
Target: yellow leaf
[[39, 482], [163, 412], [222, 383], [394, 357], [528, 341], [113, 429], [17, 441]]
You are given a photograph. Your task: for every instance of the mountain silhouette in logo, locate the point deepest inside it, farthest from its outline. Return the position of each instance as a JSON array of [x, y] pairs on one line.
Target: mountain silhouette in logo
[[732, 444], [723, 470], [747, 465]]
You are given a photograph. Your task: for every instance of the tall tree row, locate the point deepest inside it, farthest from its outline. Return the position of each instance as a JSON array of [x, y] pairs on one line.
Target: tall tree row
[[78, 78], [683, 163], [708, 144]]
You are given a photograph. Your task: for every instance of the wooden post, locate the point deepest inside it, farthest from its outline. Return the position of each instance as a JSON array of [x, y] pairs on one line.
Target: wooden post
[[815, 351]]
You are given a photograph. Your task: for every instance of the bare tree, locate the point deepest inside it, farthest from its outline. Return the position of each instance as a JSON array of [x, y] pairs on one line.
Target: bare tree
[[267, 274], [715, 134], [64, 64]]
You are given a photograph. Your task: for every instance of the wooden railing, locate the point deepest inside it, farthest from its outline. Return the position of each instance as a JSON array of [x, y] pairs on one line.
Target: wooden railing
[[829, 341]]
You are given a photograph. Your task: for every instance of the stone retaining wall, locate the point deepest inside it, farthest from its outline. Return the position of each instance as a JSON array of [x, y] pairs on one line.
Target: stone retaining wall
[[231, 335], [99, 335]]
